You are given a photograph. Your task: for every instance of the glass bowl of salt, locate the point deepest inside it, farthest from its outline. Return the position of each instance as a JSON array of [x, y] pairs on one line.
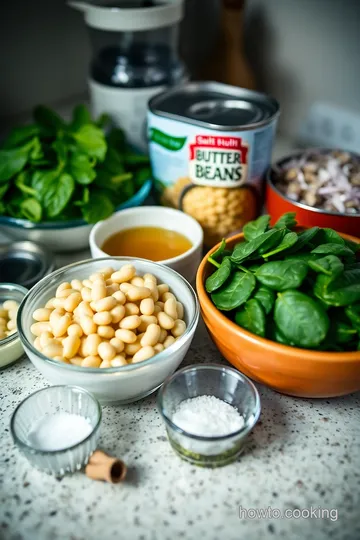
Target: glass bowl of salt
[[57, 428], [209, 411]]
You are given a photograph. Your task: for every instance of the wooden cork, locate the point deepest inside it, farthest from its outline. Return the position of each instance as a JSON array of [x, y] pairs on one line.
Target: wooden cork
[[110, 469]]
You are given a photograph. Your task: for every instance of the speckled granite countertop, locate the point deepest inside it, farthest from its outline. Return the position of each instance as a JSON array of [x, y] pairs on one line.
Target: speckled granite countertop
[[302, 454]]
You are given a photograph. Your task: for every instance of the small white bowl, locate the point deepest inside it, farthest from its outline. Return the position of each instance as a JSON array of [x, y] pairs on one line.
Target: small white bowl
[[123, 384], [154, 216]]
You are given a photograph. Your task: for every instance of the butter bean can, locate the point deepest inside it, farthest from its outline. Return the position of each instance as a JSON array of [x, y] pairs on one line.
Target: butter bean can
[[210, 145]]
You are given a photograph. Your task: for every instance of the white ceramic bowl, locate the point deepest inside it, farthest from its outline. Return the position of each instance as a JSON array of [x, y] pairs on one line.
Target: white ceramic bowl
[[154, 216], [122, 384]]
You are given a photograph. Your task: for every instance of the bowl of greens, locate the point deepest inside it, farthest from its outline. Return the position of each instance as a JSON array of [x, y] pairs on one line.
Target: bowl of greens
[[58, 178], [282, 304]]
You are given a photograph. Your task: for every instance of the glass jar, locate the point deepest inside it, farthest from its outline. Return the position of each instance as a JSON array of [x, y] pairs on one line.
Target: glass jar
[[134, 57]]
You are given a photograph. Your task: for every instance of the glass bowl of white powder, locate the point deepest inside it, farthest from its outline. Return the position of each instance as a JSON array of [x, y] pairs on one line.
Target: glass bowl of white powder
[[209, 411], [57, 428]]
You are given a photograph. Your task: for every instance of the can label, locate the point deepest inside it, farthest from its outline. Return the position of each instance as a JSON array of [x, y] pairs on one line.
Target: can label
[[215, 176], [218, 161]]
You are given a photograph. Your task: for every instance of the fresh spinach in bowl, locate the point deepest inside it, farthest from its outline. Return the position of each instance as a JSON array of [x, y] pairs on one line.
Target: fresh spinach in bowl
[[54, 170], [300, 289]]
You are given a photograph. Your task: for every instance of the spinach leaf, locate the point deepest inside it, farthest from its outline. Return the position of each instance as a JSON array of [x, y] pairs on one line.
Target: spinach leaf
[[329, 265], [12, 161], [31, 209], [304, 257], [275, 334], [3, 189], [282, 275], [353, 312], [57, 194], [352, 245], [342, 332], [266, 297], [304, 239], [91, 140], [333, 249], [99, 206], [272, 241], [329, 236], [20, 135], [287, 242], [254, 228], [81, 168], [220, 250], [218, 278], [243, 250], [235, 291], [342, 291], [48, 119], [301, 319], [287, 220], [80, 117], [252, 317]]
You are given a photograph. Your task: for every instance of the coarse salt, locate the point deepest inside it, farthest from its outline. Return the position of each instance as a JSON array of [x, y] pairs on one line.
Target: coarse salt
[[207, 416], [58, 431]]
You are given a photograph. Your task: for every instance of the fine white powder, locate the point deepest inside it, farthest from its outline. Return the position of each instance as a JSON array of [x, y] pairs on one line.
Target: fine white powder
[[208, 416], [58, 431]]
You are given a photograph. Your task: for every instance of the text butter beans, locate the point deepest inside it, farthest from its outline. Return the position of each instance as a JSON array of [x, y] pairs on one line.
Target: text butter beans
[[111, 319]]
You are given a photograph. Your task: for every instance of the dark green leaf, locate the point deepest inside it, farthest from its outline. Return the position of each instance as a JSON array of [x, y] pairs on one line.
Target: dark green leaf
[[304, 239], [218, 278], [99, 207], [23, 181], [141, 176], [287, 220], [13, 161], [81, 168], [329, 236], [219, 251], [329, 265], [266, 297], [58, 194], [352, 245], [91, 140], [287, 242], [301, 319], [342, 332], [48, 119], [276, 335], [80, 117], [235, 291], [135, 160], [244, 250], [20, 135], [333, 249], [353, 312], [3, 189], [342, 291], [254, 228], [282, 275], [31, 209], [252, 317]]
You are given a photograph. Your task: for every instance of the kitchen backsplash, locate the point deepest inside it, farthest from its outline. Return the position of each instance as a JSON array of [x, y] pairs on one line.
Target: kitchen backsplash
[[301, 52]]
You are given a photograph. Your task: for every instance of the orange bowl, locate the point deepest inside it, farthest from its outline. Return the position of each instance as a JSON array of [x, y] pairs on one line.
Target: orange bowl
[[289, 370], [278, 204]]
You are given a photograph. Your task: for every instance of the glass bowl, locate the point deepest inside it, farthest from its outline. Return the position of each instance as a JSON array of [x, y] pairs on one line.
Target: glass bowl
[[224, 383], [123, 384], [11, 349], [51, 400]]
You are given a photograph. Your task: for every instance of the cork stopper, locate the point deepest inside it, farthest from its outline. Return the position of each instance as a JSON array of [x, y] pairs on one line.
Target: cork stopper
[[110, 469]]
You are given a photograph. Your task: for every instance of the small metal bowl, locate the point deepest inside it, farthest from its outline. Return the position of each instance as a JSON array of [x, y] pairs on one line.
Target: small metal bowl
[[11, 348], [224, 383], [51, 400]]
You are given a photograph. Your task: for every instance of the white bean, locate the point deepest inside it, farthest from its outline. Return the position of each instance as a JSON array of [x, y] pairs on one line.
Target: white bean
[[52, 350], [11, 324], [158, 348], [91, 345], [96, 277], [84, 309], [107, 271], [46, 338], [132, 348], [165, 321], [61, 326], [127, 336], [170, 307], [103, 318], [106, 351], [71, 346], [62, 287], [106, 332], [144, 354], [125, 273], [117, 344], [105, 364], [180, 310], [42, 314], [151, 336], [162, 288], [179, 328], [124, 287], [72, 302], [131, 309], [137, 281], [130, 323], [147, 306], [163, 335], [76, 360], [76, 284], [117, 313], [39, 327], [91, 361], [134, 294], [65, 293], [86, 294], [153, 289], [106, 304], [118, 361], [169, 341], [50, 303], [145, 321], [75, 330], [98, 291], [119, 297], [87, 283], [150, 277], [87, 324]]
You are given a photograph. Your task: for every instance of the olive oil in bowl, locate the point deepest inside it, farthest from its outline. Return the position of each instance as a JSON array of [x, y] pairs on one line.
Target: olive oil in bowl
[[153, 243]]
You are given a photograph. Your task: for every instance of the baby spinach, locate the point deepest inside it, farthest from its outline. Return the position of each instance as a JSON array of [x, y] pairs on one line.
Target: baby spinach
[[235, 291], [219, 277], [287, 242], [315, 273], [257, 227], [333, 249], [330, 265], [220, 250], [266, 297], [282, 275], [300, 319], [252, 317], [44, 166], [286, 220]]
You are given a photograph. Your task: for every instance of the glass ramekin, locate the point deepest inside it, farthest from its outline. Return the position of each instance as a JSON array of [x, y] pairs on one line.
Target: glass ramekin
[[51, 400], [224, 383], [11, 349]]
